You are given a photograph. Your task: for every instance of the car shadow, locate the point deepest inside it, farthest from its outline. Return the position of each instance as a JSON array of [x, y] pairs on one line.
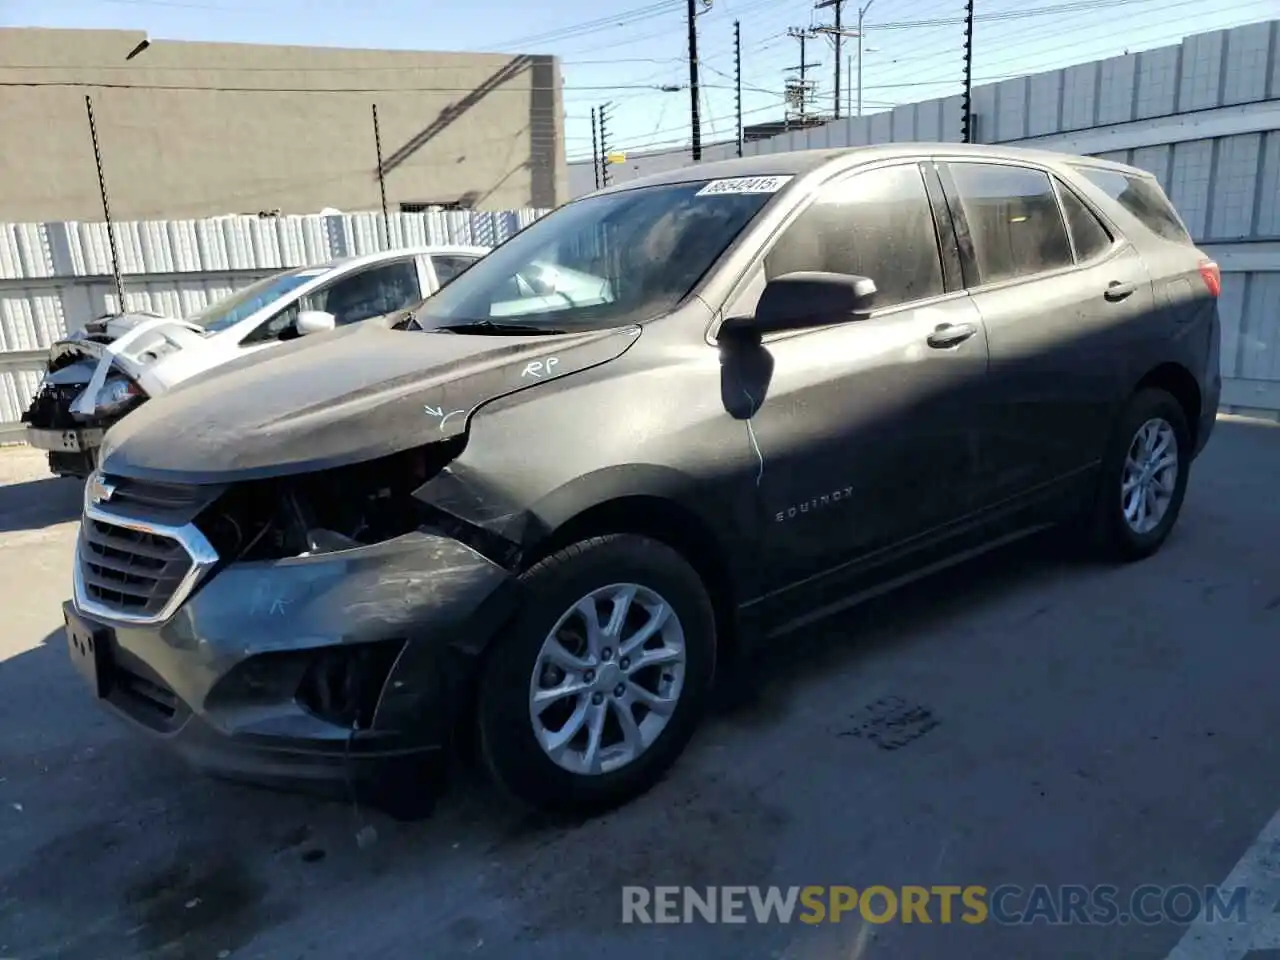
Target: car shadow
[[34, 504], [759, 686], [209, 865]]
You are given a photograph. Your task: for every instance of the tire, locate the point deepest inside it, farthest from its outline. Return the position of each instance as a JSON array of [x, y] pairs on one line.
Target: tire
[[510, 747], [1114, 537]]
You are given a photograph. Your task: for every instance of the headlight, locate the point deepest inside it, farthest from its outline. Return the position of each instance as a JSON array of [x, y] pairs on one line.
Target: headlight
[[116, 394]]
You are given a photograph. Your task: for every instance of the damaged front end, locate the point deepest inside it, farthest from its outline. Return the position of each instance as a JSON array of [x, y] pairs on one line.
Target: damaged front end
[[93, 379], [318, 630]]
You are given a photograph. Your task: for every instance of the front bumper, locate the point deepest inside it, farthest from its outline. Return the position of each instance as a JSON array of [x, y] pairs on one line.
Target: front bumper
[[230, 683], [74, 440]]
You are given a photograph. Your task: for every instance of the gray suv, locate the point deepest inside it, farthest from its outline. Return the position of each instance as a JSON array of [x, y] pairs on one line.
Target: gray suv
[[533, 515]]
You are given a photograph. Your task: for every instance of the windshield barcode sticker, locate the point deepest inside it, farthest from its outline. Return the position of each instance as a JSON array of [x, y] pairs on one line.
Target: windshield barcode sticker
[[744, 185]]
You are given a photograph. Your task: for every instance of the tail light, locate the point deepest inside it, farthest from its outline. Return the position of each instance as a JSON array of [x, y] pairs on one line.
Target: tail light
[[1212, 277]]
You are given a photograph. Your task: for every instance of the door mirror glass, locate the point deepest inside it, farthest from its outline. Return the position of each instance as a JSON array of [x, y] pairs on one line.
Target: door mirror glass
[[797, 301], [315, 321]]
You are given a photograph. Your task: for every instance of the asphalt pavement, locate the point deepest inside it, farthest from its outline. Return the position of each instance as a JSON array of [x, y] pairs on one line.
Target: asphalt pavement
[[1028, 719]]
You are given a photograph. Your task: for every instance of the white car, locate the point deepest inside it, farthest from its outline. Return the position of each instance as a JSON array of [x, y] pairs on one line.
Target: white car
[[100, 373]]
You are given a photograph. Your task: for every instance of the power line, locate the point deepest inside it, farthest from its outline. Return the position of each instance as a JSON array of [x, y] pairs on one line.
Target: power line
[[386, 68], [1074, 7], [622, 18], [1031, 34], [524, 90]]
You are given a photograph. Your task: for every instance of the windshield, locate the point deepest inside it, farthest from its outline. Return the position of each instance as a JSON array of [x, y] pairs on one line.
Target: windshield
[[229, 311], [618, 258]]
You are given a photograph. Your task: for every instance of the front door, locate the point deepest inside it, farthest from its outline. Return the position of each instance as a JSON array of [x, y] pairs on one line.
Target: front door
[[863, 428]]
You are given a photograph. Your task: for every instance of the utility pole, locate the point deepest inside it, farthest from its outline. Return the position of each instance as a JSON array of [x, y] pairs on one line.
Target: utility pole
[[849, 93], [966, 134], [695, 122], [862, 13], [382, 180], [595, 149], [106, 206], [604, 143], [737, 79], [837, 32]]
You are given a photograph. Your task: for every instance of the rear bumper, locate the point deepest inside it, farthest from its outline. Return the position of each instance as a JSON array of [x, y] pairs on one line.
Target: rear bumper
[[76, 440]]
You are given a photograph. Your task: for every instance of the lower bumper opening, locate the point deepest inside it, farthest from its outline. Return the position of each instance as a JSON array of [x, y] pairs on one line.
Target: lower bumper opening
[[343, 685]]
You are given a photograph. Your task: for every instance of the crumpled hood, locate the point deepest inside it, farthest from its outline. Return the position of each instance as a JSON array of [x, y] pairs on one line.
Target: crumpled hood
[[131, 342], [359, 393]]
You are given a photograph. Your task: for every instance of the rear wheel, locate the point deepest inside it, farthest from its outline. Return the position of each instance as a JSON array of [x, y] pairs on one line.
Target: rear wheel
[[1144, 477], [596, 689]]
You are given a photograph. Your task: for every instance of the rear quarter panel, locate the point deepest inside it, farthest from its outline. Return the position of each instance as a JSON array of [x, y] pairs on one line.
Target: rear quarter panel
[[1183, 327]]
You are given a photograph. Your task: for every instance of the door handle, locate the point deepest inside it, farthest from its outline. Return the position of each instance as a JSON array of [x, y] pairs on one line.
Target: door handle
[[950, 334], [1119, 289]]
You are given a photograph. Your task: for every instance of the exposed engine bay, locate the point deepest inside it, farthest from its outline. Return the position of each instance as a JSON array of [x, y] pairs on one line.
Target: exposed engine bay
[[93, 378], [339, 509]]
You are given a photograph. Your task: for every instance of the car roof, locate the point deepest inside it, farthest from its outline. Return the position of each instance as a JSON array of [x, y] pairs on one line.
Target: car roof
[[799, 162], [440, 249]]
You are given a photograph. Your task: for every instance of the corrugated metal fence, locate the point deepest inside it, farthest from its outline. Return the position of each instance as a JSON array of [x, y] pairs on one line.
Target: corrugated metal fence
[[54, 277]]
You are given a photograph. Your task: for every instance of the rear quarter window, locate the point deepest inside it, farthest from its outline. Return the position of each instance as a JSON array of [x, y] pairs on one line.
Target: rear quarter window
[[1142, 197]]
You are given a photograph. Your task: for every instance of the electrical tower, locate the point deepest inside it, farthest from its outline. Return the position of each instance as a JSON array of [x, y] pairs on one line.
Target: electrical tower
[[800, 91]]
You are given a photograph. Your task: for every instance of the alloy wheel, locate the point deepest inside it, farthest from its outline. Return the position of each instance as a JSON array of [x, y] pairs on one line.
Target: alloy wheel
[[1150, 475], [607, 679]]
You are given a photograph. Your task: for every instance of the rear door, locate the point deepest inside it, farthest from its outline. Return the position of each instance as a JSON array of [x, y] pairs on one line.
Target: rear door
[[1058, 289]]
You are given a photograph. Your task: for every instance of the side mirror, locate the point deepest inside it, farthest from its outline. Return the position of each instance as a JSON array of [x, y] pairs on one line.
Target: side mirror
[[797, 301], [314, 321]]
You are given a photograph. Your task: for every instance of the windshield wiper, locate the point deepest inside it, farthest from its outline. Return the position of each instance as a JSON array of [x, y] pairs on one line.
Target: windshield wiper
[[490, 328]]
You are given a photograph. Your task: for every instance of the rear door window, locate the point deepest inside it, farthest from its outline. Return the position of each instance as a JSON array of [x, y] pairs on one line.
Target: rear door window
[[1089, 237], [1014, 220], [876, 224], [1143, 198]]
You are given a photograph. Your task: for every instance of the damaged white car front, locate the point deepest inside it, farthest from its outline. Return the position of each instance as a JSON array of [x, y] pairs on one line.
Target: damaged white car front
[[96, 376]]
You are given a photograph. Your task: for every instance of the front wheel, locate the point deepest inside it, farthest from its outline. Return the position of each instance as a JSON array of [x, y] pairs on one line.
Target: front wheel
[[1143, 479], [597, 688]]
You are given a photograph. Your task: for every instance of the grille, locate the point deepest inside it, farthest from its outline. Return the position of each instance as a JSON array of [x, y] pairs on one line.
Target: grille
[[130, 571], [171, 504]]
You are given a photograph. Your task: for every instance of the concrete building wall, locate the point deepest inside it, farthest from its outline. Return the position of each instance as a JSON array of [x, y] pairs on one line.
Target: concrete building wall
[[204, 129]]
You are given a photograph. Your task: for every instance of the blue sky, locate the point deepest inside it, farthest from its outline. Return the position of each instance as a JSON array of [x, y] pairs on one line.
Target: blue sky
[[622, 50]]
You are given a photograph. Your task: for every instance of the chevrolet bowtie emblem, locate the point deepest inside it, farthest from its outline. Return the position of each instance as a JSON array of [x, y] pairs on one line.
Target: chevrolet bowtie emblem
[[99, 490]]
